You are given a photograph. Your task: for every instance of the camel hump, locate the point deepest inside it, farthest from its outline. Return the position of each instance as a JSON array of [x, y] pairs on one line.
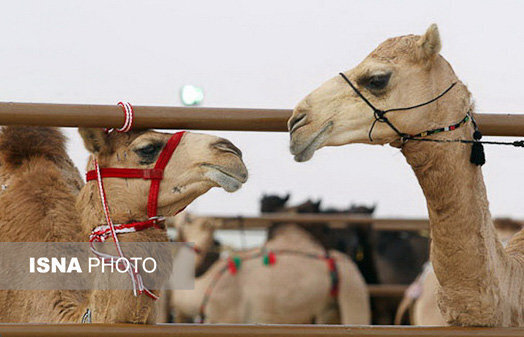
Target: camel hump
[[21, 143]]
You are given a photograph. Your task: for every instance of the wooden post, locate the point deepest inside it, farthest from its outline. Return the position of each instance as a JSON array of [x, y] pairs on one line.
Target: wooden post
[[198, 118]]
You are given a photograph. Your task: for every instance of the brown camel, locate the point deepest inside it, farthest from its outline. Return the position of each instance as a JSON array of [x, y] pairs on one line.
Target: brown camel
[[46, 201], [294, 289], [481, 282], [420, 300]]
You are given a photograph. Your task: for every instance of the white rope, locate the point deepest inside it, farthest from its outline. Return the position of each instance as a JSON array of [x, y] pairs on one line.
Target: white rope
[[136, 278], [129, 116]]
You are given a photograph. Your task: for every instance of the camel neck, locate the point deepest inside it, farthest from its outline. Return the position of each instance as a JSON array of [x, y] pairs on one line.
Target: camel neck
[[90, 207], [465, 251]]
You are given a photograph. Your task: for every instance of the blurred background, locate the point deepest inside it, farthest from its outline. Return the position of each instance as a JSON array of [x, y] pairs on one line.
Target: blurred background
[[266, 54]]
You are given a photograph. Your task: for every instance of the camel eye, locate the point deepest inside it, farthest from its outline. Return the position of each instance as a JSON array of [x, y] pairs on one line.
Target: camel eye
[[149, 152], [378, 82]]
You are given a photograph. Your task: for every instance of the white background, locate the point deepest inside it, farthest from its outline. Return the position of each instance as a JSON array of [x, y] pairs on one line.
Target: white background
[[265, 54]]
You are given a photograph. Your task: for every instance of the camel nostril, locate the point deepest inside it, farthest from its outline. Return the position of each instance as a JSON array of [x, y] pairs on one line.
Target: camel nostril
[[296, 122], [225, 145]]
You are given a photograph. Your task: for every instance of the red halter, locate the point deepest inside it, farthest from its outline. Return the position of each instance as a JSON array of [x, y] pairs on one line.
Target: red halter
[[100, 233], [155, 174]]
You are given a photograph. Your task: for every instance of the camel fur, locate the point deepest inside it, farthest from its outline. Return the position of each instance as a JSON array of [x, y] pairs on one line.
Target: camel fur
[[420, 300]]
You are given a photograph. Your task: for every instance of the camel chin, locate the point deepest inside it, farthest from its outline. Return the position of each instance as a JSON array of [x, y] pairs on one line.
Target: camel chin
[[304, 150], [225, 179]]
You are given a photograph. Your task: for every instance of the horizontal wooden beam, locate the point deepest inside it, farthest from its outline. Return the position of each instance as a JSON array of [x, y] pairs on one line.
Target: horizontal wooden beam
[[258, 330], [198, 118], [333, 220], [156, 117]]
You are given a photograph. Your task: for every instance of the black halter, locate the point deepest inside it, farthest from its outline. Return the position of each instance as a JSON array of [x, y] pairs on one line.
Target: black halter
[[477, 152], [380, 115]]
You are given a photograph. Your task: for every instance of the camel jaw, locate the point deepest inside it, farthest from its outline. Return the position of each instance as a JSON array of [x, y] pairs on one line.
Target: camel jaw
[[226, 179], [304, 151]]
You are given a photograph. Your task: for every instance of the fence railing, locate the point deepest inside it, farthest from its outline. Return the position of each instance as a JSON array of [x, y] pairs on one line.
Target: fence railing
[[162, 117], [75, 115], [258, 330], [332, 220]]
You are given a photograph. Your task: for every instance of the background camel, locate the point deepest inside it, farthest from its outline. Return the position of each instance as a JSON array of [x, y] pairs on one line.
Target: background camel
[[383, 257], [420, 303], [47, 201], [293, 289], [481, 283]]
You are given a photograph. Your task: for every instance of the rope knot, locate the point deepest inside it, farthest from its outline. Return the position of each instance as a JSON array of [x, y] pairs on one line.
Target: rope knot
[[380, 115]]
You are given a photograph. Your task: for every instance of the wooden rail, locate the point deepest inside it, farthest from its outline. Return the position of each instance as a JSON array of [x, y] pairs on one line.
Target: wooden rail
[[258, 330], [163, 117], [333, 220]]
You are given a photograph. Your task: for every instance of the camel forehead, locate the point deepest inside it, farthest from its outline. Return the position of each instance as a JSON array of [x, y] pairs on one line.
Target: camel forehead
[[125, 139], [396, 48]]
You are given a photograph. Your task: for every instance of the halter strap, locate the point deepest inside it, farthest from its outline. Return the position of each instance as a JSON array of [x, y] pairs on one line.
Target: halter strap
[[111, 172], [155, 174], [101, 233], [232, 264], [477, 151], [380, 115], [438, 130], [161, 163]]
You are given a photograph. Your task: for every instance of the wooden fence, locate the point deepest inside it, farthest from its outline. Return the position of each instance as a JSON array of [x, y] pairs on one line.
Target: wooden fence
[[161, 117], [258, 330], [332, 220], [74, 115]]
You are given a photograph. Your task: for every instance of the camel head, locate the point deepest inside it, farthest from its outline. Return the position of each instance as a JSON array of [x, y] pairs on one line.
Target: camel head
[[308, 206], [197, 230], [273, 203], [198, 163], [401, 72]]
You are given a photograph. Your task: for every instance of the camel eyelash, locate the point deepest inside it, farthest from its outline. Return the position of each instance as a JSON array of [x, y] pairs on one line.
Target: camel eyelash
[[149, 152]]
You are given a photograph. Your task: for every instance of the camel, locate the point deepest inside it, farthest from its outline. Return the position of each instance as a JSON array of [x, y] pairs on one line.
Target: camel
[[383, 257], [47, 201], [480, 281], [420, 300], [288, 288]]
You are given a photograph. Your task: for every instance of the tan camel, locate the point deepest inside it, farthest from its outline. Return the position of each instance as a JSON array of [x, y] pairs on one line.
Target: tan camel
[[295, 289], [481, 283], [421, 297], [44, 202]]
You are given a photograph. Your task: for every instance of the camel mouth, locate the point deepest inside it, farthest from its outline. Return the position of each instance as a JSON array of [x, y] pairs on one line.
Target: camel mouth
[[304, 151], [225, 178]]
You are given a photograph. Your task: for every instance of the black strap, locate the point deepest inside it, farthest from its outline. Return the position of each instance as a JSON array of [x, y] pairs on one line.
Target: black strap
[[380, 115]]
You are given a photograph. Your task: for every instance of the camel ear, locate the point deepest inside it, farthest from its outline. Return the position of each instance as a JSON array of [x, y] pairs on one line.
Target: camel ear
[[429, 43], [95, 139], [286, 198]]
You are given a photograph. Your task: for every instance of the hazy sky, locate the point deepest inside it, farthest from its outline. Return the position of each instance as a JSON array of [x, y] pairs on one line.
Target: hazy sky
[[265, 54]]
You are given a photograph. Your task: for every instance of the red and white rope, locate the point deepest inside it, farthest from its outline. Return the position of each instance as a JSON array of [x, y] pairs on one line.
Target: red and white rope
[[129, 117], [136, 278]]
